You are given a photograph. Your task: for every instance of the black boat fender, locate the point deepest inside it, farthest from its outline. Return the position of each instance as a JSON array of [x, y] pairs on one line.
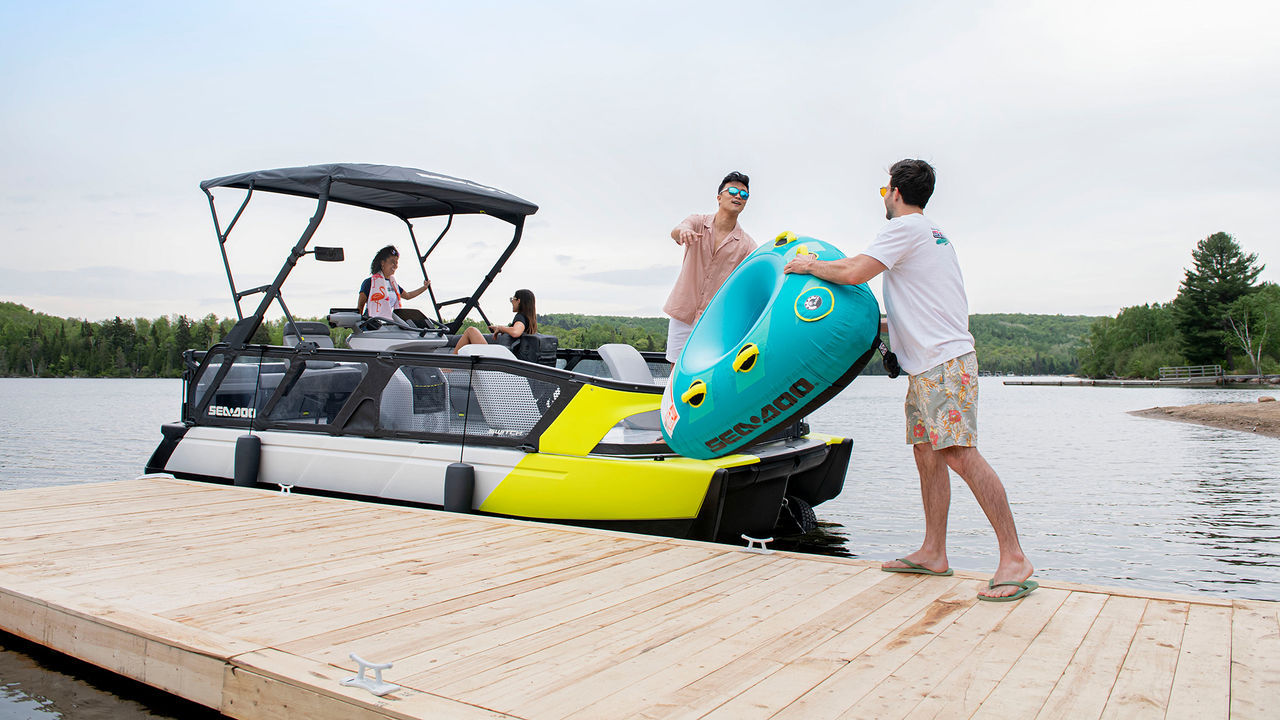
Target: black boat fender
[[248, 460], [459, 487]]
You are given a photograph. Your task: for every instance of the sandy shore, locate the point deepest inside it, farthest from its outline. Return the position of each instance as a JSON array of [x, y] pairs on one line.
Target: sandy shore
[[1262, 418]]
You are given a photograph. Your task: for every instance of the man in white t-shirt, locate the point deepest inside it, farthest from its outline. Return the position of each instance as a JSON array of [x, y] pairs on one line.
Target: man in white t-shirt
[[928, 318]]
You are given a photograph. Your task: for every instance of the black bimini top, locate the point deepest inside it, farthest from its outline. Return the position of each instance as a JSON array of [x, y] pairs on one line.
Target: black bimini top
[[403, 192]]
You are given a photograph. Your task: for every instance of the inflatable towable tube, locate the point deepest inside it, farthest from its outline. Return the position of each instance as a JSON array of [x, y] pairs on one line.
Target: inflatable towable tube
[[769, 348]]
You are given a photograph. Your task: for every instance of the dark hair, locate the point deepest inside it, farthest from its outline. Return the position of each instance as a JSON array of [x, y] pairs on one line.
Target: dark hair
[[528, 308], [375, 267], [737, 177], [914, 179]]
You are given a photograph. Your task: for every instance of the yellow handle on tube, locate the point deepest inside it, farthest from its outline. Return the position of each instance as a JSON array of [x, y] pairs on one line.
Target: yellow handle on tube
[[746, 358], [696, 393]]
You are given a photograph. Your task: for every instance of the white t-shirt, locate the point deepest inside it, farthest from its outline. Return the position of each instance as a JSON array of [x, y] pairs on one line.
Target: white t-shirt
[[923, 293]]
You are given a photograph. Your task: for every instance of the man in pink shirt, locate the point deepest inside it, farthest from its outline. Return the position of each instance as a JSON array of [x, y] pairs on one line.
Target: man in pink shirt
[[713, 246]]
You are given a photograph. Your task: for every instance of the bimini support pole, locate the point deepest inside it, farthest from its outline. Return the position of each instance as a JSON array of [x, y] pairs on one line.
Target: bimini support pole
[[244, 330], [222, 241], [422, 261], [474, 300]]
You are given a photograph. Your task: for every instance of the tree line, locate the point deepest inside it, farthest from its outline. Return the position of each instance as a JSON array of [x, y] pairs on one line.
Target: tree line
[[34, 344], [1220, 316]]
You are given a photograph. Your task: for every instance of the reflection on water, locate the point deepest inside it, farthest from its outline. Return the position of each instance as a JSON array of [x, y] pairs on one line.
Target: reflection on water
[[1099, 496], [828, 538]]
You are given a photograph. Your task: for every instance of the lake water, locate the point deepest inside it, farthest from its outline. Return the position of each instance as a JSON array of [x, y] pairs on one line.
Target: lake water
[[1099, 496]]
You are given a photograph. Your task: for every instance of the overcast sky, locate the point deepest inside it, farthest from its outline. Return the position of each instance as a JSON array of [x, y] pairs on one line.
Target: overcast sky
[[1082, 148]]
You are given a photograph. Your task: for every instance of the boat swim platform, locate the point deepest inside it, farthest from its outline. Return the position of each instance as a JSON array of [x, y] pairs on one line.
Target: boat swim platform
[[251, 602]]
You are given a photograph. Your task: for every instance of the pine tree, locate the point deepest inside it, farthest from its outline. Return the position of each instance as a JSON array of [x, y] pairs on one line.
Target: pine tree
[[1220, 274]]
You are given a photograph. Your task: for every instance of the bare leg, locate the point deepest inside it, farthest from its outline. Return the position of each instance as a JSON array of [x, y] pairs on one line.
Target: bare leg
[[935, 492], [472, 336], [989, 492]]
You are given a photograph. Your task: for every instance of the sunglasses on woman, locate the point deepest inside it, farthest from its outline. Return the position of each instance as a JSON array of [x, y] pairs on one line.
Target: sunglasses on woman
[[738, 193]]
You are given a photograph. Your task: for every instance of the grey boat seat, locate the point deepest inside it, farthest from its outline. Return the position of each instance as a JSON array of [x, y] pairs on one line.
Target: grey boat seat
[[344, 317], [625, 363], [307, 331], [415, 399], [311, 331], [506, 400]]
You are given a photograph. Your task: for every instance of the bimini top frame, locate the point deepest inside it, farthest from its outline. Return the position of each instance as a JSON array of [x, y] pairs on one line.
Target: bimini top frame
[[407, 193]]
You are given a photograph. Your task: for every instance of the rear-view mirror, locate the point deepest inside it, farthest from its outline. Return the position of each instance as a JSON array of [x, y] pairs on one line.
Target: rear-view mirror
[[329, 254]]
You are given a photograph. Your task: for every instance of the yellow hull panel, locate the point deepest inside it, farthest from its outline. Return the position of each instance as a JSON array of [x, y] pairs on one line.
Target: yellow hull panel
[[605, 488]]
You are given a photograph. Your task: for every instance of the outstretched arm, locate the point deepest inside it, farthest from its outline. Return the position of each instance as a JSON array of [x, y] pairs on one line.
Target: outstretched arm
[[845, 271], [684, 233], [411, 294]]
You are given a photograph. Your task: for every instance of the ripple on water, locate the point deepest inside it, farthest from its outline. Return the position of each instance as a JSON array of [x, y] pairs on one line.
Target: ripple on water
[[1099, 496]]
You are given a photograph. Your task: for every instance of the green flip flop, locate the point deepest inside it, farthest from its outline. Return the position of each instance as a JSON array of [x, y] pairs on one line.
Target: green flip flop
[[1026, 586], [917, 568]]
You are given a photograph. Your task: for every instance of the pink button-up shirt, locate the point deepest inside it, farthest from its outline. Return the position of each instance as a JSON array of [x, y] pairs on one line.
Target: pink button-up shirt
[[705, 267]]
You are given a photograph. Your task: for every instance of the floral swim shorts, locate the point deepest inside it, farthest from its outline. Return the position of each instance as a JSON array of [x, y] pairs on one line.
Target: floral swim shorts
[[942, 404]]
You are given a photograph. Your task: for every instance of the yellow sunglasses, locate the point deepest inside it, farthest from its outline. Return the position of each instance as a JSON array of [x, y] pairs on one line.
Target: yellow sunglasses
[[884, 191]]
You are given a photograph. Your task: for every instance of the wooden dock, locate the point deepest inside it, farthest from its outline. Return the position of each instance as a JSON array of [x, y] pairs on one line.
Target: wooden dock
[[251, 601]]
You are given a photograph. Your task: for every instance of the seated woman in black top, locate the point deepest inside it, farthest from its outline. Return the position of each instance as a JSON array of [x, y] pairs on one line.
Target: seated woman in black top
[[525, 321]]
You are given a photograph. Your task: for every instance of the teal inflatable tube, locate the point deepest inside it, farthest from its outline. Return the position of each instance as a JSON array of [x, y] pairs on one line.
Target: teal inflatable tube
[[769, 349]]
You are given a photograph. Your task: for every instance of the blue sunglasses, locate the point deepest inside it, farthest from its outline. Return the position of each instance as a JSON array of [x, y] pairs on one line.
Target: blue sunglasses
[[738, 193]]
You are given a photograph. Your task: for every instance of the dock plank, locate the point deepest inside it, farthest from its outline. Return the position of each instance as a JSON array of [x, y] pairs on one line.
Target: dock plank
[[501, 616], [1085, 685], [456, 665], [1255, 672], [1027, 685], [852, 599], [561, 679], [1142, 688], [654, 675], [1204, 659], [860, 674], [967, 686], [873, 614]]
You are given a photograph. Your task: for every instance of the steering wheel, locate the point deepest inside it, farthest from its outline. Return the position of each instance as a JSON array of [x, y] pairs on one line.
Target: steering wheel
[[374, 322]]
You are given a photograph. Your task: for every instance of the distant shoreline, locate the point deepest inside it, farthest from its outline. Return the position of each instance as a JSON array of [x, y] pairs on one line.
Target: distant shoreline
[[1260, 418]]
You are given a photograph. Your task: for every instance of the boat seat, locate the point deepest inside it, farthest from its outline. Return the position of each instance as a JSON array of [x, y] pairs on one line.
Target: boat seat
[[344, 317], [532, 347], [506, 400], [400, 409], [627, 364], [311, 331]]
